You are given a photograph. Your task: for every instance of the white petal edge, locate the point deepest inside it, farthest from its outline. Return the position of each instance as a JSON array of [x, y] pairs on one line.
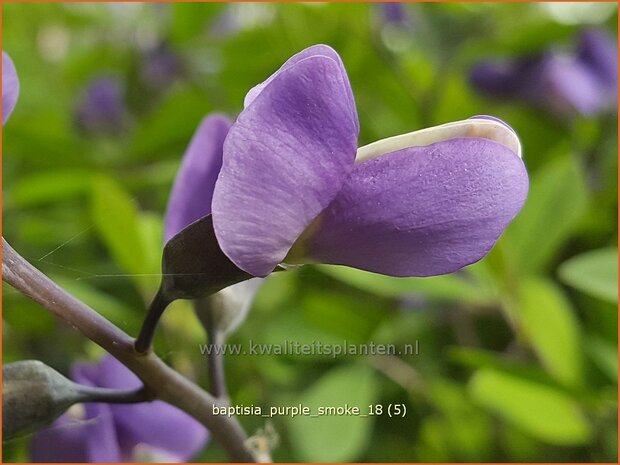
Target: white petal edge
[[473, 127]]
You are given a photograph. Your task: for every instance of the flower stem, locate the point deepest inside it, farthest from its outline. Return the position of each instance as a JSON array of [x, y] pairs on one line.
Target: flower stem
[[147, 332], [114, 396], [162, 381], [215, 340]]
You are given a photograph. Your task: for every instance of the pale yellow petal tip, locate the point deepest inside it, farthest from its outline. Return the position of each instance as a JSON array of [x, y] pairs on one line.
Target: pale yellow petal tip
[[473, 127], [496, 131]]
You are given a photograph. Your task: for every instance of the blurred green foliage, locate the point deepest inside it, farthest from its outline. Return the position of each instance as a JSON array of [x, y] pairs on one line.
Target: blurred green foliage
[[518, 353]]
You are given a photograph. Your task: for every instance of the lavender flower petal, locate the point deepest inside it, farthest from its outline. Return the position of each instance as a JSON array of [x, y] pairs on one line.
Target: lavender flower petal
[[102, 108], [600, 52], [107, 373], [285, 159], [117, 433], [394, 13], [571, 86], [157, 423], [581, 82], [161, 66], [313, 51], [192, 192], [161, 426], [10, 87], [88, 436], [495, 78], [422, 211]]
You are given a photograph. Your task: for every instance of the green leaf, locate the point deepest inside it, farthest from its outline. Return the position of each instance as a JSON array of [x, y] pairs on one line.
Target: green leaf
[[605, 355], [49, 187], [190, 20], [594, 272], [151, 230], [335, 438], [21, 315], [454, 410], [549, 324], [433, 444], [116, 220], [478, 358], [108, 306], [446, 287], [170, 126], [357, 316], [546, 413], [555, 204], [288, 327]]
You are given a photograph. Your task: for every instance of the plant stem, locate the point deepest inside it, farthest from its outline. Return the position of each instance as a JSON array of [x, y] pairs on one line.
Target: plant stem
[[149, 325], [216, 366], [161, 380], [114, 396], [215, 339]]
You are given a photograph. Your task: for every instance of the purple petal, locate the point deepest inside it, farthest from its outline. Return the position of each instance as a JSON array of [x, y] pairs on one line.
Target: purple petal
[[570, 86], [495, 78], [161, 66], [102, 108], [10, 86], [70, 439], [161, 426], [88, 437], [313, 51], [110, 373], [102, 444], [600, 52], [157, 423], [395, 13], [519, 78], [285, 159], [113, 433], [422, 211], [192, 192]]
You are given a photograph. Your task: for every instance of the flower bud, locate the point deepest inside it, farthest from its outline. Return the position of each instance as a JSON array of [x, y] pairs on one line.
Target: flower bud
[[33, 395]]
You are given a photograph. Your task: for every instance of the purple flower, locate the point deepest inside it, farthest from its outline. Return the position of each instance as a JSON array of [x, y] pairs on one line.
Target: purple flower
[[394, 13], [599, 52], [192, 191], [102, 108], [583, 82], [190, 200], [160, 67], [10, 87], [286, 182], [293, 186], [147, 432]]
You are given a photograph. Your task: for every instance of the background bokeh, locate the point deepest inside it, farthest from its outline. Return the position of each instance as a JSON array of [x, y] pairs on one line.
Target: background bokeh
[[518, 353]]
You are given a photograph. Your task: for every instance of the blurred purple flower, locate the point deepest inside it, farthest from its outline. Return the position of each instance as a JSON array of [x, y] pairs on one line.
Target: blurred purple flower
[[102, 108], [599, 52], [161, 66], [394, 13], [583, 82], [10, 87], [289, 189], [147, 432]]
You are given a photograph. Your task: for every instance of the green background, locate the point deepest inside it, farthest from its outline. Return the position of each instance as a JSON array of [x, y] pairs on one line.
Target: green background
[[518, 353]]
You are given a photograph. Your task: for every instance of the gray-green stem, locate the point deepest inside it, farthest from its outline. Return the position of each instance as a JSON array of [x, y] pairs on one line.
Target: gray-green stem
[[215, 340], [159, 379]]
